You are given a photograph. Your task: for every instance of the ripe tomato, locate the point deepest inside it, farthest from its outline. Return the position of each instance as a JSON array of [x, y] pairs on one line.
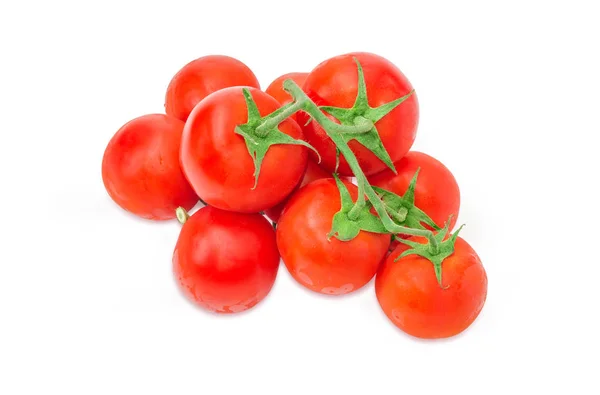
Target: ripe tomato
[[201, 77], [328, 266], [436, 191], [216, 161], [141, 171], [226, 262], [276, 87], [335, 83], [413, 300], [313, 172]]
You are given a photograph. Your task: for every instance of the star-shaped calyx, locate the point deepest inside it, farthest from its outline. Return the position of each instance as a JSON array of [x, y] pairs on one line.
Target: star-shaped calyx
[[402, 209], [346, 228], [259, 142], [444, 249], [361, 113]]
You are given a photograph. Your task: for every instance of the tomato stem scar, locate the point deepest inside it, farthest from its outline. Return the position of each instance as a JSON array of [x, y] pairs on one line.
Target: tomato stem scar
[[182, 215]]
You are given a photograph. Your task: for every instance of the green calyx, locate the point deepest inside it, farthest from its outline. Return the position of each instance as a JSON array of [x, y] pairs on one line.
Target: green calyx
[[260, 133], [402, 209], [348, 222], [436, 255], [362, 114]]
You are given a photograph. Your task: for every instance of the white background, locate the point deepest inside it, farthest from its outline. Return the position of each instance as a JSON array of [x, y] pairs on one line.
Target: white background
[[509, 97]]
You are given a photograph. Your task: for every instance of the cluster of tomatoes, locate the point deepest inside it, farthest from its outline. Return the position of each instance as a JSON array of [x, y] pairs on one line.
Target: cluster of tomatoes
[[273, 189]]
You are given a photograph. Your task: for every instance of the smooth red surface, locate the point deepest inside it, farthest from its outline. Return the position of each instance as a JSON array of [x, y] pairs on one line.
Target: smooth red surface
[[334, 83], [226, 262], [201, 77], [141, 171], [275, 89], [313, 172], [218, 165], [436, 192], [411, 297], [327, 266]]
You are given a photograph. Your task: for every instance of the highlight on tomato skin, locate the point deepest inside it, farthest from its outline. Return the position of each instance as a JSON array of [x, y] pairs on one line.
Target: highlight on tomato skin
[[225, 262], [436, 192], [323, 265], [201, 77], [141, 171], [334, 82], [216, 161], [411, 297]]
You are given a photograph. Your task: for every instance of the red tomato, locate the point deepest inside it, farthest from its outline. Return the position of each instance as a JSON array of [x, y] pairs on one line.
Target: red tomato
[[436, 191], [216, 161], [141, 171], [276, 87], [201, 77], [226, 262], [328, 266], [313, 172], [413, 300], [335, 83]]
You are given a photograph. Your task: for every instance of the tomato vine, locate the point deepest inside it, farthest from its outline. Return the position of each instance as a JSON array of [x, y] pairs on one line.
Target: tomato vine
[[395, 214]]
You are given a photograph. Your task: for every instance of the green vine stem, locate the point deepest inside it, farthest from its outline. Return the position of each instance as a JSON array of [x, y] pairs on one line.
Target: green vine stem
[[360, 202], [300, 103], [277, 117], [335, 131]]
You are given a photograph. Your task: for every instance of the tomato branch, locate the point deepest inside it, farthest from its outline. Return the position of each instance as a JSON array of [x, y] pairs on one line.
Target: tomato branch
[[334, 131], [271, 121], [360, 202], [274, 119]]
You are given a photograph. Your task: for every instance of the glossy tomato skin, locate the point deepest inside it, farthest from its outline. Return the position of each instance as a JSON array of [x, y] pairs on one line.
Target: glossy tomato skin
[[201, 77], [225, 262], [313, 172], [276, 90], [436, 192], [327, 266], [334, 83], [409, 294], [216, 161], [141, 171]]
